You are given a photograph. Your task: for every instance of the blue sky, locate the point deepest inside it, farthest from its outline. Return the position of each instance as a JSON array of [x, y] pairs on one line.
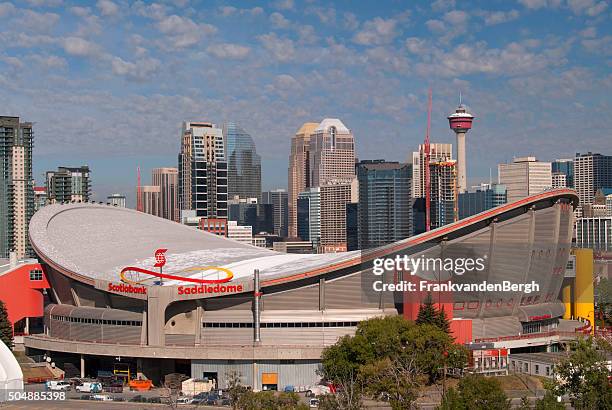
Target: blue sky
[[108, 83]]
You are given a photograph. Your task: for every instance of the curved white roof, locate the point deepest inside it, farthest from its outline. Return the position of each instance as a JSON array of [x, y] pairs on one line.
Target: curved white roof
[[11, 376]]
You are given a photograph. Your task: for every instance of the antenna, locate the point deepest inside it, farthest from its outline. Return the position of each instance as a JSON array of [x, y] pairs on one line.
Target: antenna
[[460, 97]]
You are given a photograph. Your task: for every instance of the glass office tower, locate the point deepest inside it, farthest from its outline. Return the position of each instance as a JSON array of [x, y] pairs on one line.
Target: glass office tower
[[243, 163]]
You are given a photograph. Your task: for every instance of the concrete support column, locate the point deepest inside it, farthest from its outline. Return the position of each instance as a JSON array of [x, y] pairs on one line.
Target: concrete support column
[[82, 366], [158, 299], [198, 319], [26, 329]]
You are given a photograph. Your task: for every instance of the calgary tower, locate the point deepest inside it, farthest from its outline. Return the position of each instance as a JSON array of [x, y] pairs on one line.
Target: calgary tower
[[461, 122]]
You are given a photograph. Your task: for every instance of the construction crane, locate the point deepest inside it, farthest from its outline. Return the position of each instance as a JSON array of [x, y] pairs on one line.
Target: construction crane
[[138, 192], [427, 176]]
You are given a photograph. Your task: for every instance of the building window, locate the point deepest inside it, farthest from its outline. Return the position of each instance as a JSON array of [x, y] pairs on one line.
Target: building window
[[36, 274]]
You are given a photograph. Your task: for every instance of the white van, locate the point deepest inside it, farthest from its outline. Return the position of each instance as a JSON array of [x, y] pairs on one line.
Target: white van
[[57, 385], [90, 387]]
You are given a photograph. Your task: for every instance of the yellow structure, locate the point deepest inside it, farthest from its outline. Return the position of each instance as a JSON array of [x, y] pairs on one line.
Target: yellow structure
[[583, 293], [567, 301]]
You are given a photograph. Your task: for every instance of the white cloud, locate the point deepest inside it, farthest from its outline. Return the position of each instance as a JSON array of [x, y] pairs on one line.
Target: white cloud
[[229, 51], [327, 15], [80, 47], [377, 31], [40, 22], [80, 11], [589, 7], [284, 4], [182, 31], [282, 49], [441, 5], [538, 4], [279, 21], [456, 17], [307, 34], [45, 3], [48, 61], [589, 32], [435, 26], [600, 46], [6, 9], [107, 7], [12, 61], [140, 71], [416, 45], [351, 22], [227, 11], [497, 17]]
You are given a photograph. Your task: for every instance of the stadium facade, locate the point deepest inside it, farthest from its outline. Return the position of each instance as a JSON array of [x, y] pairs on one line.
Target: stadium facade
[[219, 305]]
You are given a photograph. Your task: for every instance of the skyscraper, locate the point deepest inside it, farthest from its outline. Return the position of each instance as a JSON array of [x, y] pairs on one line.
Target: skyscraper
[[167, 180], [591, 173], [69, 184], [564, 167], [309, 215], [243, 163], [336, 194], [299, 171], [150, 198], [437, 152], [16, 186], [332, 152], [443, 192], [203, 170], [385, 203], [246, 213], [280, 205], [116, 200], [525, 176]]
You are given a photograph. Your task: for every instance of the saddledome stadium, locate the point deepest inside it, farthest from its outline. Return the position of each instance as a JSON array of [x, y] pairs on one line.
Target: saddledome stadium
[[278, 321]]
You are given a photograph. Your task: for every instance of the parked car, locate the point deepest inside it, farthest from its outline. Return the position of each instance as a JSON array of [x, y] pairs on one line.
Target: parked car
[[57, 385], [138, 399], [101, 397], [314, 403], [184, 400]]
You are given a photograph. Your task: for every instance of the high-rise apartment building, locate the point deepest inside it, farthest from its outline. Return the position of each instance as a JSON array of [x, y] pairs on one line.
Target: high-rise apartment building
[[564, 167], [240, 233], [243, 163], [167, 180], [279, 199], [525, 176], [336, 194], [250, 213], [332, 152], [437, 152], [202, 170], [443, 206], [151, 199], [309, 215], [69, 184], [116, 200], [559, 180], [594, 232], [299, 171], [16, 186], [385, 203], [40, 197], [591, 173], [484, 197]]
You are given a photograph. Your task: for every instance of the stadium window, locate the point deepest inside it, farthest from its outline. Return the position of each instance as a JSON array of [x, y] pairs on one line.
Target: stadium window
[[36, 275]]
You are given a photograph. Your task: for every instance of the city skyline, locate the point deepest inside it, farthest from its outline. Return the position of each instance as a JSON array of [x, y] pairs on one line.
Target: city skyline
[[117, 100]]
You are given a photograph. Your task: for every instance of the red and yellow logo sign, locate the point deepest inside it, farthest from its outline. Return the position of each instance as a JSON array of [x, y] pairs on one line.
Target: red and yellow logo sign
[[206, 271]]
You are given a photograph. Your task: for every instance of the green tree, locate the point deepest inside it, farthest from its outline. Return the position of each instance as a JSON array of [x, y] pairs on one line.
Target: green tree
[[6, 329], [235, 389], [583, 376], [549, 402], [603, 298], [427, 312], [476, 393], [442, 321]]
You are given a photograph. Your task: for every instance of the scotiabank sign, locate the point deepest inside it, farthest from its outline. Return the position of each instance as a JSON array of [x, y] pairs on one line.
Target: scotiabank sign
[[125, 288]]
